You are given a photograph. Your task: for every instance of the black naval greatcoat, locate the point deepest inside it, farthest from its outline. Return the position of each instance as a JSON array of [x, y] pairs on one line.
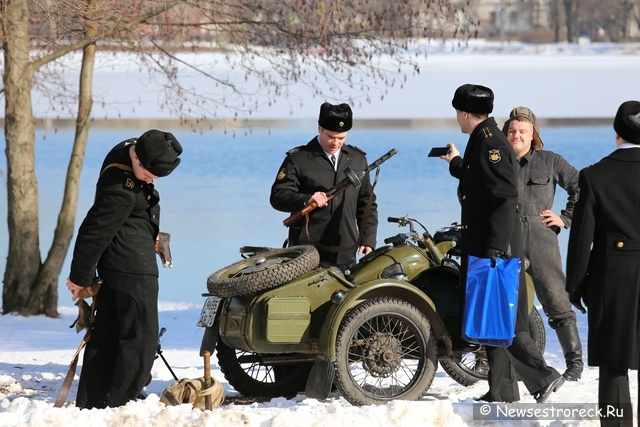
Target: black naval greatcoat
[[120, 228], [488, 193], [307, 170], [603, 258], [117, 238]]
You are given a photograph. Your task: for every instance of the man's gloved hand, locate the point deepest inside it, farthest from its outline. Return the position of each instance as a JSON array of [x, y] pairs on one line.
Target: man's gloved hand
[[575, 301], [493, 254]]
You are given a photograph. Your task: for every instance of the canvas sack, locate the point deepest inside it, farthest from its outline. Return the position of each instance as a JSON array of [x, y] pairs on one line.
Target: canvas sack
[[193, 391]]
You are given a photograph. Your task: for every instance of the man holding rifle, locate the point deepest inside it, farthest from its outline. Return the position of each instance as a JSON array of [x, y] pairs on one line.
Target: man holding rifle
[[343, 222]]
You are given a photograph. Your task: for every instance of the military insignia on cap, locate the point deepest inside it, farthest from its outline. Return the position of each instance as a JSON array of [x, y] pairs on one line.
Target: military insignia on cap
[[494, 156], [341, 124], [281, 174]]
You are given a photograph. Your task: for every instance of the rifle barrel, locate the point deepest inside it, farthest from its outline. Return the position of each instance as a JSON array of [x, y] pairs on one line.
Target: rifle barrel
[[336, 189]]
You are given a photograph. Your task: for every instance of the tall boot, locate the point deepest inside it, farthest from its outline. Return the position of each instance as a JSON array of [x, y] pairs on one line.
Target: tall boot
[[572, 349]]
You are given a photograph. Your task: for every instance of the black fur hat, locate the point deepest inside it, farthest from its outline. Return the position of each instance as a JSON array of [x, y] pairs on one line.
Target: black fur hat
[[627, 122], [473, 99], [158, 152], [338, 118]]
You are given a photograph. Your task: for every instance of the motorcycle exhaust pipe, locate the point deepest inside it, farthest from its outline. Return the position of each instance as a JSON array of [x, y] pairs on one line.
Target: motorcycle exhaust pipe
[[273, 361]]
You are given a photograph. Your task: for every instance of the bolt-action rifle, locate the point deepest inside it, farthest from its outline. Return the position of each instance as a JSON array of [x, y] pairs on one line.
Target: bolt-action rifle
[[353, 178]]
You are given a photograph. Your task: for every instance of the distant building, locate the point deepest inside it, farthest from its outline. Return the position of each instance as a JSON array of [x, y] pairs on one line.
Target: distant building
[[499, 18]]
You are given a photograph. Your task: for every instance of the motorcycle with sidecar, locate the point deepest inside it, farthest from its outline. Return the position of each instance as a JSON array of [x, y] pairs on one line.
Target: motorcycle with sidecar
[[281, 324]]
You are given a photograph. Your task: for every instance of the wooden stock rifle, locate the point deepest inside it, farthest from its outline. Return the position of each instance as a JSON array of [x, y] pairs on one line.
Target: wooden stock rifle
[[353, 178]]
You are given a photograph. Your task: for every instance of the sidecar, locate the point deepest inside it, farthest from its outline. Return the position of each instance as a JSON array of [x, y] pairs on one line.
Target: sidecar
[[281, 324]]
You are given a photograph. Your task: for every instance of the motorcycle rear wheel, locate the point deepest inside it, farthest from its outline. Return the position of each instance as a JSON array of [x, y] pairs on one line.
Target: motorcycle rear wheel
[[258, 380], [385, 350], [474, 367], [265, 270]]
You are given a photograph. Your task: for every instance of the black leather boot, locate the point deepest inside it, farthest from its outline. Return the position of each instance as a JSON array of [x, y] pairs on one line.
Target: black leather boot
[[572, 349]]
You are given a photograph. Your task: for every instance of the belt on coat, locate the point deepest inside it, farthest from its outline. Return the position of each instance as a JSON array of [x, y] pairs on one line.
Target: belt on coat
[[527, 218]]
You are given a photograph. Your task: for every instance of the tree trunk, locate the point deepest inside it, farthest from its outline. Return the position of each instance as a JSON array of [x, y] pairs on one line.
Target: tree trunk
[[556, 21], [31, 287], [568, 18], [23, 260], [45, 290]]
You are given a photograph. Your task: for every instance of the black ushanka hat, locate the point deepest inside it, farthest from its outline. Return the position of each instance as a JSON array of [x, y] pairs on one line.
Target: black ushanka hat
[[627, 122], [473, 99], [337, 118], [158, 152]]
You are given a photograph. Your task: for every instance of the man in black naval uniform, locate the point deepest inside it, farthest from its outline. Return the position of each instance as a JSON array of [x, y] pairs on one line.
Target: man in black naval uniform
[[348, 220], [603, 268], [117, 239], [488, 192]]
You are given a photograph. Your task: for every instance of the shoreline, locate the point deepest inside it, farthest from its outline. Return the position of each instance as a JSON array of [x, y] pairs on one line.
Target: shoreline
[[220, 124]]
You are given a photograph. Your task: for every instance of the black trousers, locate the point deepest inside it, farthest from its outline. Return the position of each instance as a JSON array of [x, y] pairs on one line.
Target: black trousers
[[614, 395], [521, 357], [120, 354]]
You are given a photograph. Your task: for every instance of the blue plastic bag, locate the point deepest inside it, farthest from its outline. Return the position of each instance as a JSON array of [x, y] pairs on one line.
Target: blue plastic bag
[[491, 301]]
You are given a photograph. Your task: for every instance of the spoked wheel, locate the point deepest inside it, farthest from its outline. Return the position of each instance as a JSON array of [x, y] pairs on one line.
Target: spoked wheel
[[385, 350], [250, 377], [264, 270], [474, 366]]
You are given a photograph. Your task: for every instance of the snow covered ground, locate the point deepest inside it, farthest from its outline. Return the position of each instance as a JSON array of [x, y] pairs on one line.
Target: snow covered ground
[[36, 351]]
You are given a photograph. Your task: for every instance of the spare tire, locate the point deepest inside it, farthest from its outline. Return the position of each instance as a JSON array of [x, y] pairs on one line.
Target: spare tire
[[265, 270]]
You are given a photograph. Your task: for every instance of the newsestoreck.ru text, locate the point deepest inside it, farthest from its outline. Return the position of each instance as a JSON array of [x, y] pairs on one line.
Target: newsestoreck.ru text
[[549, 411]]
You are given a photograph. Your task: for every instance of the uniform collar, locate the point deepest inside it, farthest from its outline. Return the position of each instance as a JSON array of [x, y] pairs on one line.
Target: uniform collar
[[336, 154], [488, 122], [527, 157], [625, 155], [317, 150], [628, 145]]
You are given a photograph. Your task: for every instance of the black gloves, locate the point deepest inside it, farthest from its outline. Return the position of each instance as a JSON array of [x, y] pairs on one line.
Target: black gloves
[[577, 303], [493, 254]]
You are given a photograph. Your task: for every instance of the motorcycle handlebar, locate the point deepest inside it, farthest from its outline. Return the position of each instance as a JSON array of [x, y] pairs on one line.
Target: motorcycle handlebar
[[399, 238], [403, 221]]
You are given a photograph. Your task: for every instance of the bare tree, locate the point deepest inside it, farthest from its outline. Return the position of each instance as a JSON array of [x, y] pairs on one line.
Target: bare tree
[[628, 12], [274, 43], [610, 20]]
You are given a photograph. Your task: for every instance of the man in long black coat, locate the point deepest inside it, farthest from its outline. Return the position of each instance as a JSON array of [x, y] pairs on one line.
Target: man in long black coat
[[308, 172], [488, 192], [117, 239], [603, 262]]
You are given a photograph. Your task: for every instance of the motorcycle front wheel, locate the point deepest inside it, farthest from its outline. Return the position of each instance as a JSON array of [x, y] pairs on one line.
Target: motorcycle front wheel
[[385, 350], [474, 367], [255, 379]]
